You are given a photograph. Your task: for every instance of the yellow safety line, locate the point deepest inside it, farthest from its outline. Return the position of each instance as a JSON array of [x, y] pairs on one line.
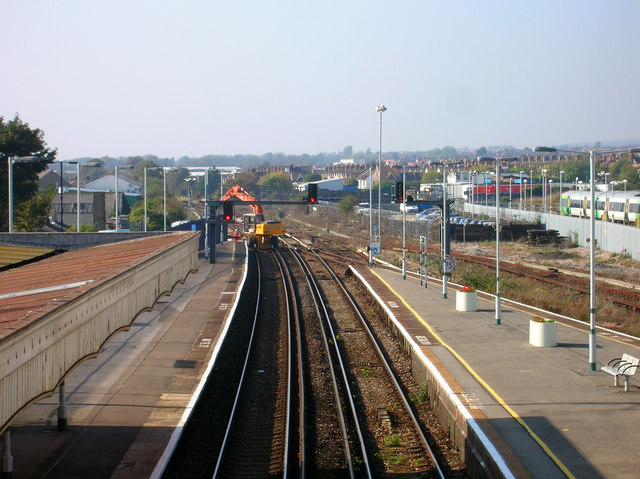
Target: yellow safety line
[[489, 389]]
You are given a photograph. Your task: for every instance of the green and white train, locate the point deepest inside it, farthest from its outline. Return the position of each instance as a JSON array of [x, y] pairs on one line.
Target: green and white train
[[619, 206]]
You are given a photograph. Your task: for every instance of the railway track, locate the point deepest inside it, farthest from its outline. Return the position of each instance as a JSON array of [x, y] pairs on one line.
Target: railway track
[[258, 432], [397, 443], [620, 296], [302, 388]]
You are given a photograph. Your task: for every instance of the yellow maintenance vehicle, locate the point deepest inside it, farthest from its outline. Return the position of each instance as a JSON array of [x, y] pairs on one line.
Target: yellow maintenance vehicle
[[260, 234]]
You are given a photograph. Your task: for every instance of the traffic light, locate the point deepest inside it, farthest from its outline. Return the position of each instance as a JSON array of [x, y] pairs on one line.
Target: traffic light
[[227, 210], [399, 191], [312, 195]]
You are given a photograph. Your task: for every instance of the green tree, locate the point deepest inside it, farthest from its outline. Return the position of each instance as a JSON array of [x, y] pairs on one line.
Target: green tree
[[432, 177], [347, 204], [275, 183], [155, 212], [18, 139], [34, 212], [624, 170], [247, 179]]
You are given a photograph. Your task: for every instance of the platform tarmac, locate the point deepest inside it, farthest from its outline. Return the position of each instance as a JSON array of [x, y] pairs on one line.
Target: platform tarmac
[[559, 418], [124, 406]]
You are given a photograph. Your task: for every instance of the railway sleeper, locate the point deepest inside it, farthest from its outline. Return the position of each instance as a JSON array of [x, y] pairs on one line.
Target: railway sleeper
[[384, 419]]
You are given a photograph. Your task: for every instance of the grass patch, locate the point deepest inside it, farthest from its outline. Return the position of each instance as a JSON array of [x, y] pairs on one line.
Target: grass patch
[[423, 393], [392, 440]]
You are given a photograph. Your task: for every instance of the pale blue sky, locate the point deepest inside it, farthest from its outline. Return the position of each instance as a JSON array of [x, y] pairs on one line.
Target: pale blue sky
[[175, 78]]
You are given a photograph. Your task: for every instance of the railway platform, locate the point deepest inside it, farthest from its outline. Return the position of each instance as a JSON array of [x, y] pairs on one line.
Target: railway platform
[[548, 414], [125, 406]]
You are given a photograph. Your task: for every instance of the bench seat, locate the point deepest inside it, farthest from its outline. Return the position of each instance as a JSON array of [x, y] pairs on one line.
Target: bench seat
[[625, 366]]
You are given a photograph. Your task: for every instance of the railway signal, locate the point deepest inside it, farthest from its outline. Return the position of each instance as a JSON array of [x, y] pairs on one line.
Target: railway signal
[[227, 210], [312, 193], [399, 193]]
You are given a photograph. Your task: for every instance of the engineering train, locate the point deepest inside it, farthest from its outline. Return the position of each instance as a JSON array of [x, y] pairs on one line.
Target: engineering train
[[618, 206]]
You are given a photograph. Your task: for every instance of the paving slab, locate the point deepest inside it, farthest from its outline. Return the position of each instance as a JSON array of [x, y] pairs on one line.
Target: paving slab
[[557, 416]]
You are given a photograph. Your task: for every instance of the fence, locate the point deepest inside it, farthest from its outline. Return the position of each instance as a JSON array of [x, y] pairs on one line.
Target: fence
[[612, 237]]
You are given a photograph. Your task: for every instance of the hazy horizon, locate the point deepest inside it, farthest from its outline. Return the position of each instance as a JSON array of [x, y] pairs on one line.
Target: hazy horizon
[[173, 79]]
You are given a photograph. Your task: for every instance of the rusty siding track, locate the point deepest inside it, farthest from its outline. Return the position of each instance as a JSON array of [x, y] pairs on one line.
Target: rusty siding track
[[620, 296], [623, 297]]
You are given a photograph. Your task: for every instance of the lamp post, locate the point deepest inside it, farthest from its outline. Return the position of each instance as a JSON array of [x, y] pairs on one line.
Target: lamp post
[[380, 109], [550, 195], [469, 188], [445, 227], [164, 187], [404, 224], [10, 161], [473, 195], [592, 244], [498, 310], [206, 213], [146, 218], [370, 216], [606, 190], [126, 167], [77, 163], [544, 190], [145, 198], [531, 188], [510, 185], [521, 172], [62, 191], [561, 173], [92, 164], [189, 180], [486, 191]]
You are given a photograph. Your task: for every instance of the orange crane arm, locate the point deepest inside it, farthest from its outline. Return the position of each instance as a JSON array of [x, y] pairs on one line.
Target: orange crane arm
[[239, 192]]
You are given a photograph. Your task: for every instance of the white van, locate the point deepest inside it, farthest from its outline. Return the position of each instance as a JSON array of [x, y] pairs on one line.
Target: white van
[[408, 208]]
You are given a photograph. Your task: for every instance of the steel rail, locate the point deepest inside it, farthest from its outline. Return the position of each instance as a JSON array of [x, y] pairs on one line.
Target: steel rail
[[384, 361], [242, 377], [293, 322], [325, 317]]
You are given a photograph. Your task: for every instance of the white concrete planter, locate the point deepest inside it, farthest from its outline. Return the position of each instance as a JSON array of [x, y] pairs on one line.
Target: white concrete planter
[[543, 334], [466, 301]]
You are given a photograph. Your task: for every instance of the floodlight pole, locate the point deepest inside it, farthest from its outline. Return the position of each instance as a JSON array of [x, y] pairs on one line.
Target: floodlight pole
[[145, 199], [592, 265], [78, 196], [206, 214], [116, 198], [445, 224], [404, 224], [370, 216], [521, 189], [164, 194], [592, 248], [380, 109], [498, 308]]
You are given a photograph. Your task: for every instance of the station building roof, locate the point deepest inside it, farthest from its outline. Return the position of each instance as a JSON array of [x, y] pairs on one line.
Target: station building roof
[[29, 292]]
